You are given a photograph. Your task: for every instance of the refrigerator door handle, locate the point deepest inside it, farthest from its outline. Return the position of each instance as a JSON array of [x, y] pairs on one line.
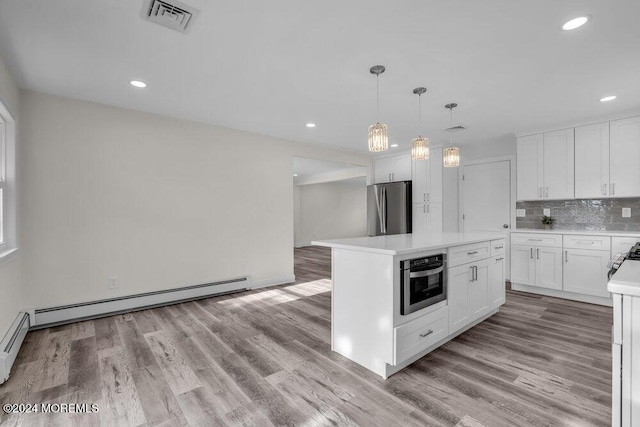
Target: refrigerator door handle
[[384, 209]]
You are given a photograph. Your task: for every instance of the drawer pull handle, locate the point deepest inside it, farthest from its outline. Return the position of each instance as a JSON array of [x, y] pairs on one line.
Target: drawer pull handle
[[497, 247], [585, 243], [535, 240], [426, 334], [472, 253], [499, 259]]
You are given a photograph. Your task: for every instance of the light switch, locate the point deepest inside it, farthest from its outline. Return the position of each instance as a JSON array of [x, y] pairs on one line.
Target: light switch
[[626, 212], [546, 212], [521, 213]]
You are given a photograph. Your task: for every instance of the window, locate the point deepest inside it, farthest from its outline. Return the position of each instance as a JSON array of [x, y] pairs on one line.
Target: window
[[8, 229]]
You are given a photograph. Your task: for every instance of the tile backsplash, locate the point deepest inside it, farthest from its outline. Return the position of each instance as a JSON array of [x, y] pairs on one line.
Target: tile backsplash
[[583, 214]]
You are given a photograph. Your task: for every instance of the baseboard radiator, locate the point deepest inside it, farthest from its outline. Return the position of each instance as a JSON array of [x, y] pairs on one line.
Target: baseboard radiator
[[53, 316], [10, 344]]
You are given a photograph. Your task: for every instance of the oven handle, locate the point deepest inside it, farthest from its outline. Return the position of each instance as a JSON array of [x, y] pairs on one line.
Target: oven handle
[[426, 272]]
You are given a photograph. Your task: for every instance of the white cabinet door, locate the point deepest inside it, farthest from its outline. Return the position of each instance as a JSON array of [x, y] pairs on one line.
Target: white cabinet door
[[458, 296], [558, 164], [548, 267], [478, 290], [434, 218], [529, 167], [496, 282], [419, 218], [624, 175], [585, 272], [435, 176], [592, 161], [383, 169], [419, 178], [523, 265], [401, 168]]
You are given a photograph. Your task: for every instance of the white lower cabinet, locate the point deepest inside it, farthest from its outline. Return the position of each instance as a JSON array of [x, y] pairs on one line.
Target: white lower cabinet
[[585, 272], [497, 295], [536, 266], [420, 334], [468, 293]]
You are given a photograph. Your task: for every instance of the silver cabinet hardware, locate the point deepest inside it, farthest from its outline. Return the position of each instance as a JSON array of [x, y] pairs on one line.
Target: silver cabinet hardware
[[566, 256], [546, 192], [613, 188], [535, 240], [585, 243], [499, 259], [426, 334], [505, 225], [540, 192], [497, 247], [531, 250], [472, 253], [389, 177], [428, 209], [424, 197], [428, 194], [475, 273], [604, 189], [471, 268], [537, 253]]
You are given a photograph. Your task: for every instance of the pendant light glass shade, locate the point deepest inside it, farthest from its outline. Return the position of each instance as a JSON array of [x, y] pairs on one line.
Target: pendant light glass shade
[[451, 157], [378, 140], [420, 145], [420, 148]]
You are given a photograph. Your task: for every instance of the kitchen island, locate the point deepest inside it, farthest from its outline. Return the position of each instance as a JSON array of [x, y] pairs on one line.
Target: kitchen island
[[367, 324]]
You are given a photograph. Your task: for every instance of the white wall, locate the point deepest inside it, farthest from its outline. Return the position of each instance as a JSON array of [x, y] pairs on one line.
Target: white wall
[[450, 180], [10, 268], [157, 202], [331, 210]]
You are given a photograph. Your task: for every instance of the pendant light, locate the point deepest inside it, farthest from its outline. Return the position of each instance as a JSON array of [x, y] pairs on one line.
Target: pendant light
[[420, 145], [378, 140], [451, 155]]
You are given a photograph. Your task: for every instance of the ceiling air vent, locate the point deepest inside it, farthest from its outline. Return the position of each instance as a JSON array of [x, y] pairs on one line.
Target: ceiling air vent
[[172, 14], [455, 128]]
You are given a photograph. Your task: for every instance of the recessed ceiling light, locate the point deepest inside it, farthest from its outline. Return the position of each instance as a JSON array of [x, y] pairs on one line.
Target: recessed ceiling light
[[138, 83], [311, 125], [394, 145], [608, 98], [295, 174], [576, 22]]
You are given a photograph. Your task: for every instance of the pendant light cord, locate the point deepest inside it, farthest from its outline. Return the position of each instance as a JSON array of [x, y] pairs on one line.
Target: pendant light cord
[[377, 98], [450, 125], [419, 116]]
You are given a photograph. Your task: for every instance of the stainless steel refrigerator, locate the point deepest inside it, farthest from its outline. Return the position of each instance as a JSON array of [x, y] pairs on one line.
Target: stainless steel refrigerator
[[389, 208]]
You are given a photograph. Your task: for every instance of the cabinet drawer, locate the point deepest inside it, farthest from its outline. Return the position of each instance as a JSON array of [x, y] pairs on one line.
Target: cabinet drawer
[[419, 334], [458, 255], [535, 239], [497, 247], [575, 241], [622, 244]]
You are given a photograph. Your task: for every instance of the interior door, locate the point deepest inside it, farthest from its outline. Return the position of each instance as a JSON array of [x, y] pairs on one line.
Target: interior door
[[485, 199]]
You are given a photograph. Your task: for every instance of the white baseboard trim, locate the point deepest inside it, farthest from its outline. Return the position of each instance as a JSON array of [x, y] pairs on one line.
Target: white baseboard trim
[[10, 344], [45, 317], [563, 294], [273, 281]]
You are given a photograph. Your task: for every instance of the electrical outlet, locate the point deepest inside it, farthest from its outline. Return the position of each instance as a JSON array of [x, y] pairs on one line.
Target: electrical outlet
[[626, 212], [521, 213], [546, 212], [113, 283]]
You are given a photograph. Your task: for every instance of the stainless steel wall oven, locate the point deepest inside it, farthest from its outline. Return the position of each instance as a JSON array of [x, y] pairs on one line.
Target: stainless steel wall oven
[[423, 282]]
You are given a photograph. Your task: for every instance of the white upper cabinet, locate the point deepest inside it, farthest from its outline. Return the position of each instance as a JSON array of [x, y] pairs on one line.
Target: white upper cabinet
[[529, 167], [545, 166], [427, 178], [592, 161], [558, 164], [394, 168], [624, 174]]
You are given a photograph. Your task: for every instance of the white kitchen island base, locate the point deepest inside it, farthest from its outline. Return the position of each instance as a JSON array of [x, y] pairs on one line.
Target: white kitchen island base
[[366, 324]]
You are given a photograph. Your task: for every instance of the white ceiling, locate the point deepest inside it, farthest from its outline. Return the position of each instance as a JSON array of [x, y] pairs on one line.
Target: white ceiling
[[270, 67]]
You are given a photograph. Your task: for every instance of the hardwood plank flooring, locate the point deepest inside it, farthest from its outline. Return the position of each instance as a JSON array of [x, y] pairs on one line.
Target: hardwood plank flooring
[[263, 358]]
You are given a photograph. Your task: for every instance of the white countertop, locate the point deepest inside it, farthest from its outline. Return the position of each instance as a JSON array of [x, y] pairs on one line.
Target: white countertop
[[627, 279], [400, 244], [580, 232]]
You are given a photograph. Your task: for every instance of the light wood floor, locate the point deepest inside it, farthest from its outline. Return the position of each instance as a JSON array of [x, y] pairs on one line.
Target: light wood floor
[[263, 358]]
